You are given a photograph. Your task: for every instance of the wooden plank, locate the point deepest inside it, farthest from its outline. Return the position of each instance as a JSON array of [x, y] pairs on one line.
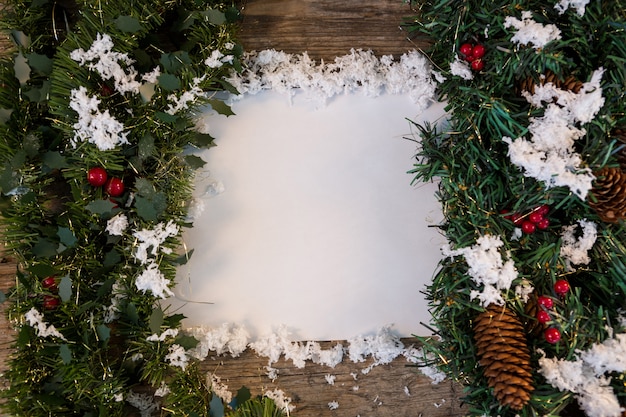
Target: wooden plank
[[327, 28]]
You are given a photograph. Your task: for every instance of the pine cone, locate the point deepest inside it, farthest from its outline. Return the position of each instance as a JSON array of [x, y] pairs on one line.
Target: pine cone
[[531, 324], [570, 83], [608, 194], [503, 352]]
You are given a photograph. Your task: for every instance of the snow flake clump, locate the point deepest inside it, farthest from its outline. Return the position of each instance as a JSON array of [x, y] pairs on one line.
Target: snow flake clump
[[549, 155], [586, 378], [384, 347], [579, 5], [100, 58], [487, 268], [93, 126], [153, 280], [422, 359], [177, 356], [117, 224], [143, 402], [461, 68], [529, 31], [282, 401], [188, 97], [333, 405], [35, 319], [359, 71], [575, 251], [224, 339], [153, 238]]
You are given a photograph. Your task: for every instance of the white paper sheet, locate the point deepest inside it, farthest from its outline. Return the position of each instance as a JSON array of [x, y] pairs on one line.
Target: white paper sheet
[[317, 227]]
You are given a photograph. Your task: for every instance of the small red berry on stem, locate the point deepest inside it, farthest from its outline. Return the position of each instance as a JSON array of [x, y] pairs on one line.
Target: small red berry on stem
[[478, 51], [535, 217], [477, 64], [543, 209], [466, 49], [546, 302], [115, 187], [97, 176], [528, 227], [49, 283], [552, 335], [561, 287], [543, 224], [543, 317], [50, 302]]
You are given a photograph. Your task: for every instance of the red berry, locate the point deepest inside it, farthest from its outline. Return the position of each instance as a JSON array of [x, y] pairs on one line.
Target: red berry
[[470, 58], [517, 219], [552, 335], [543, 317], [115, 187], [106, 90], [546, 302], [466, 49], [561, 287], [543, 224], [535, 217], [478, 51], [528, 227], [97, 176], [543, 209], [50, 302], [477, 64], [49, 283]]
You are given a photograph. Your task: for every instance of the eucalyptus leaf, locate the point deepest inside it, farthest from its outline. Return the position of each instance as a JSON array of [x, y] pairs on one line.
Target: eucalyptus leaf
[[172, 62], [128, 24], [203, 140], [20, 38], [215, 17], [42, 270], [169, 82], [5, 115], [216, 407], [3, 297], [45, 248], [65, 353], [221, 107], [146, 209], [104, 332], [146, 148], [195, 162], [188, 342], [54, 160], [132, 313], [40, 63], [38, 94], [67, 237], [106, 288], [65, 288], [111, 258], [156, 320], [21, 68], [144, 187], [100, 207], [243, 395], [166, 117], [31, 144]]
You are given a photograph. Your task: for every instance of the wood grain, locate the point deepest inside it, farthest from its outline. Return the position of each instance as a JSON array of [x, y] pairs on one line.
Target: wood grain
[[326, 29]]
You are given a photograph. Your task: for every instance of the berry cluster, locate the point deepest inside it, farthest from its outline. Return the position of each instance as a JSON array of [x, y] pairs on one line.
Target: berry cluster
[[474, 55], [98, 177], [551, 334], [530, 222], [50, 301]]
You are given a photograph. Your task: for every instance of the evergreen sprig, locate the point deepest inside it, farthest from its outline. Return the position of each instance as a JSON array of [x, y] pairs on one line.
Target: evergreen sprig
[[55, 222], [479, 186]]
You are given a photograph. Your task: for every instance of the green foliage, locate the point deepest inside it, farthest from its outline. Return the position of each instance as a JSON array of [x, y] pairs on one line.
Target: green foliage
[[56, 222], [479, 186]]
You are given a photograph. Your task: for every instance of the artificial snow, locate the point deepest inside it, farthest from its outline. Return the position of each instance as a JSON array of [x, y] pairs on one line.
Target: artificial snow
[[579, 5], [531, 32], [153, 239], [227, 338], [182, 102], [282, 401], [152, 279], [487, 268], [117, 225], [219, 388], [383, 347], [161, 338], [461, 68], [100, 58], [549, 155], [143, 402], [330, 379], [93, 126], [415, 355], [586, 377], [177, 356], [359, 71], [35, 319], [575, 250], [333, 405]]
